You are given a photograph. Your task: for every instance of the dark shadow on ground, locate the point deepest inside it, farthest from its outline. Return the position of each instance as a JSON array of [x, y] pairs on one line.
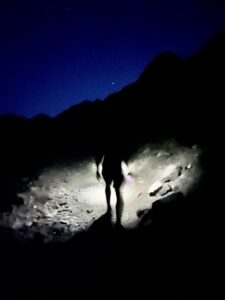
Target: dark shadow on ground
[[102, 224]]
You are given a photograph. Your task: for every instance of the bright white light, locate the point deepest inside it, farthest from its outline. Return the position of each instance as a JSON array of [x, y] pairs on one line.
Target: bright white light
[[73, 196], [156, 186]]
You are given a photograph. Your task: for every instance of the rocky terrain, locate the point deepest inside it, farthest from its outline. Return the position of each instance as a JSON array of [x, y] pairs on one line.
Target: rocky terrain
[[65, 200]]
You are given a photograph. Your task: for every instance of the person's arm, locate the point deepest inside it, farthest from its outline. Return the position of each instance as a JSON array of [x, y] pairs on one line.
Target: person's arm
[[125, 164], [126, 173], [98, 161], [124, 168]]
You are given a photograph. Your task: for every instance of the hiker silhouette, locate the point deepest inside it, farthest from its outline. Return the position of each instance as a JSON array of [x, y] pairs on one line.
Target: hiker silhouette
[[114, 169]]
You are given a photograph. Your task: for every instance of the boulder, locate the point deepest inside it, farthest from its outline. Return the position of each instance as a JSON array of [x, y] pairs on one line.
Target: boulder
[[172, 173], [155, 188]]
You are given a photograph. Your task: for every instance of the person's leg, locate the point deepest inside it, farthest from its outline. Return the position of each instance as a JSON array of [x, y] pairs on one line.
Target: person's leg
[[119, 205], [108, 196], [108, 181]]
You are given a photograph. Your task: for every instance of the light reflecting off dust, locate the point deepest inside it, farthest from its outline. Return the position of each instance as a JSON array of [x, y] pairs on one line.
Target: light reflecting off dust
[[69, 199]]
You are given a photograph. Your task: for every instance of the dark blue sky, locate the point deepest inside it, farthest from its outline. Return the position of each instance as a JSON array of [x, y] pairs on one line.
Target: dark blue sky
[[55, 53]]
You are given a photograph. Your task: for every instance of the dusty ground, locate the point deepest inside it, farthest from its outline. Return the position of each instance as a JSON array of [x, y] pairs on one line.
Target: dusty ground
[[67, 199]]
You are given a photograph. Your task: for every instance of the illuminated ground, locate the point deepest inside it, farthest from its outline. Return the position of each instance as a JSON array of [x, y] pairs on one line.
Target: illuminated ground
[[67, 199]]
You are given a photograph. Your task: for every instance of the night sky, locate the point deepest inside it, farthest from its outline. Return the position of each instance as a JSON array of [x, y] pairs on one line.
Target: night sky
[[54, 54]]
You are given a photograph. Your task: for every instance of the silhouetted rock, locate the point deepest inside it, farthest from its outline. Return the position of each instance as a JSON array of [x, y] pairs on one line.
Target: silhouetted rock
[[166, 189], [155, 188], [175, 172], [141, 213]]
